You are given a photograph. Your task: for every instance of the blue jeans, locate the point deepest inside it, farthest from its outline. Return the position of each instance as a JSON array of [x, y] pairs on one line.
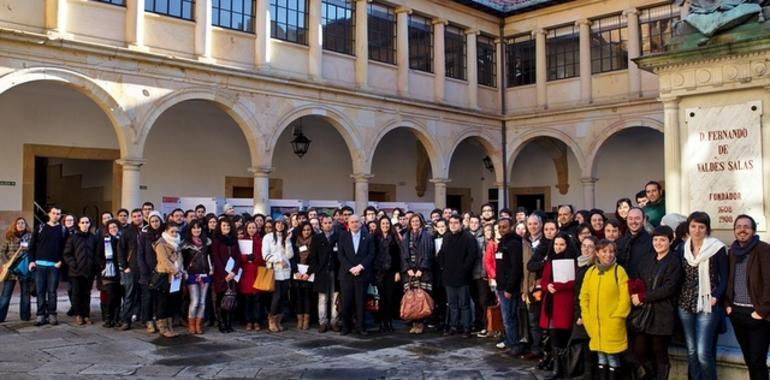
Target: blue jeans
[[459, 300], [510, 321], [46, 284], [700, 333], [25, 310], [131, 294], [613, 360]]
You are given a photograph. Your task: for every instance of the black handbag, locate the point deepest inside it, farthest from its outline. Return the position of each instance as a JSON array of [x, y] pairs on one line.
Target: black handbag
[[230, 299], [159, 282], [641, 316]]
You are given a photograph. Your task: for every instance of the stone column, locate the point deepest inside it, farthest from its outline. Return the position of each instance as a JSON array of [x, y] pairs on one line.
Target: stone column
[[439, 60], [203, 30], [684, 10], [471, 55], [362, 43], [402, 49], [130, 196], [586, 78], [314, 40], [135, 24], [541, 75], [589, 192], [262, 31], [671, 155], [261, 189], [501, 194], [499, 62], [56, 18], [439, 191], [634, 51], [361, 181]]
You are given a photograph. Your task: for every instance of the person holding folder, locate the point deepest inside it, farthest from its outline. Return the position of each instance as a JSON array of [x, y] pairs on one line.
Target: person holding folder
[[225, 258], [558, 306]]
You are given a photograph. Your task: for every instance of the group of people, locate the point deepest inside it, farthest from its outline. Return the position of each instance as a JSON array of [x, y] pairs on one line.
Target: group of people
[[609, 292]]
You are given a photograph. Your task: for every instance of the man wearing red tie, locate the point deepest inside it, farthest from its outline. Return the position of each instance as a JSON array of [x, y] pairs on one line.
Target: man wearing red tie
[[356, 254]]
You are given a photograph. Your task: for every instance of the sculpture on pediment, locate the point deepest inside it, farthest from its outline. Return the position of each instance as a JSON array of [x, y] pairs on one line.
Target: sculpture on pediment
[[710, 17]]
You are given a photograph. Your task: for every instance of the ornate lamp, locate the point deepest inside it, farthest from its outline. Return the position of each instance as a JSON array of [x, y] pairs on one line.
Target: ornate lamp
[[300, 144], [488, 164]]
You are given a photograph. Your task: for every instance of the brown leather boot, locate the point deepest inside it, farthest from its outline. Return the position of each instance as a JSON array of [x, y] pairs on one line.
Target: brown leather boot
[[271, 323], [151, 329], [198, 325], [191, 326], [278, 324], [256, 326], [170, 333], [306, 322], [300, 321]]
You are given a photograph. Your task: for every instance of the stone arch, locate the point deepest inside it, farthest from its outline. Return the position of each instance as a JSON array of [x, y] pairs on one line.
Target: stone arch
[[337, 119], [612, 130], [491, 147], [119, 118], [227, 101], [522, 139], [422, 134]]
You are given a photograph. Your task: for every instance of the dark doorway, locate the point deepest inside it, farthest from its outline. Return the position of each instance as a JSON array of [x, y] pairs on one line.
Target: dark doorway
[[531, 201], [455, 202]]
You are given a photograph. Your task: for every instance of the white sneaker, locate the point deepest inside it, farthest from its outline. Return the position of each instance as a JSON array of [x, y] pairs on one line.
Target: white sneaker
[[501, 345], [482, 333]]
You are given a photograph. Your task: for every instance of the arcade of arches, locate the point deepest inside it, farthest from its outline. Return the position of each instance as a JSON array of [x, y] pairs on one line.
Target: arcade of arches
[[195, 144]]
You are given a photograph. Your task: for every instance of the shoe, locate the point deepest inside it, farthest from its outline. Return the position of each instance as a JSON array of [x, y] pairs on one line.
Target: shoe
[[345, 331], [87, 321], [198, 326], [165, 329], [108, 324], [419, 329], [40, 320], [362, 332], [305, 321], [256, 326], [467, 333], [170, 327], [500, 346], [613, 373], [191, 326], [531, 356], [150, 328], [335, 327], [79, 321], [248, 327], [125, 327], [323, 328], [278, 318], [271, 323], [449, 332], [413, 329], [53, 320], [300, 321], [482, 334]]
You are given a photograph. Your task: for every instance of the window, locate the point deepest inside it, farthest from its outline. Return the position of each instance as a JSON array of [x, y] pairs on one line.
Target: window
[[113, 2], [288, 20], [608, 44], [420, 43], [183, 9], [562, 47], [520, 53], [454, 52], [657, 27], [486, 55], [337, 19], [233, 14], [382, 33]]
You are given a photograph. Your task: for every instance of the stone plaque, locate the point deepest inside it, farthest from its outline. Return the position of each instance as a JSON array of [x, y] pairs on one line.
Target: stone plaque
[[723, 158]]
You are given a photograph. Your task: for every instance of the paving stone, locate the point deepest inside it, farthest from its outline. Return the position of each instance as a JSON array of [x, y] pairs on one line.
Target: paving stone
[[110, 370]]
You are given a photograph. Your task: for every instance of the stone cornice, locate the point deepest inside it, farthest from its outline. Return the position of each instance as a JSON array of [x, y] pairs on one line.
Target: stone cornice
[[707, 54]]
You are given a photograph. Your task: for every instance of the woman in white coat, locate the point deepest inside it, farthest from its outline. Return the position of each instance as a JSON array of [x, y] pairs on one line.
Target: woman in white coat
[[277, 251]]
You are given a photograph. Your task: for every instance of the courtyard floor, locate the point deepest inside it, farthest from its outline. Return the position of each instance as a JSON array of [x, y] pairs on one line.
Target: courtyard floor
[[68, 351]]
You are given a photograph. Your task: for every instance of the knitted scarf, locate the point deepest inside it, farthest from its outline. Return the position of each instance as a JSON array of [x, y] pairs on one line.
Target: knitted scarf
[[709, 248]]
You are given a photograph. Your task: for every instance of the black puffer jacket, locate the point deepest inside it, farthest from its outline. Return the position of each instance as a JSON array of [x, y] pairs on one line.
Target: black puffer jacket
[[196, 259], [80, 254]]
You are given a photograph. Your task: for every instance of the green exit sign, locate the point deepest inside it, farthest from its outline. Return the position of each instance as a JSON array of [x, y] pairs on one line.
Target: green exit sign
[[7, 183]]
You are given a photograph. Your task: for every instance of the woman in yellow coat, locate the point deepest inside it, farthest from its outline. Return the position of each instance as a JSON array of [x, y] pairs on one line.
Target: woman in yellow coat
[[604, 305]]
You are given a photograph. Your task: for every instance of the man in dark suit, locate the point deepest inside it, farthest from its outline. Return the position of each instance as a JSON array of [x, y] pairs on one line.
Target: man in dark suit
[[323, 265], [356, 255]]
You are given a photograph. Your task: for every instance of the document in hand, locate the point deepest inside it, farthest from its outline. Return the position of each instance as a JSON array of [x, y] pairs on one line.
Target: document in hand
[[563, 270], [246, 246]]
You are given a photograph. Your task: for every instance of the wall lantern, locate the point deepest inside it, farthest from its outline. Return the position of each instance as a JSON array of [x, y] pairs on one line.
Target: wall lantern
[[300, 144], [488, 164]]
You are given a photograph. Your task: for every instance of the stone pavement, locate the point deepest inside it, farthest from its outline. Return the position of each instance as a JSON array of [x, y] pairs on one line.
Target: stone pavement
[[93, 352]]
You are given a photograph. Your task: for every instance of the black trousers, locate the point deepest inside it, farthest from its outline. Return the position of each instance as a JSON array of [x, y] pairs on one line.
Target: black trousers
[[386, 284], [753, 335], [113, 290], [148, 301], [482, 297], [81, 295], [168, 304], [353, 293]]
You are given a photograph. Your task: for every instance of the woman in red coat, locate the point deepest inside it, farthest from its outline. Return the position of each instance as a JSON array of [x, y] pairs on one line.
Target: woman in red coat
[[224, 246], [250, 261], [559, 304]]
